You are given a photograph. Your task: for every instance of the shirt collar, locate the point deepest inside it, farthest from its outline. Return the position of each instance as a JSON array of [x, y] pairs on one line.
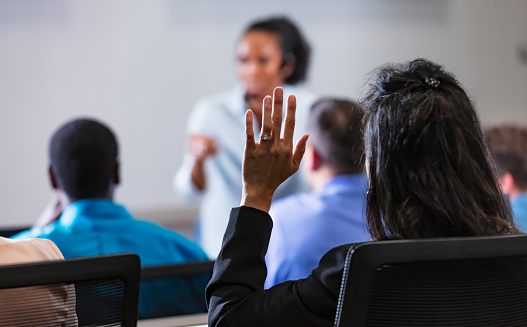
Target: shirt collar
[[86, 211], [347, 182]]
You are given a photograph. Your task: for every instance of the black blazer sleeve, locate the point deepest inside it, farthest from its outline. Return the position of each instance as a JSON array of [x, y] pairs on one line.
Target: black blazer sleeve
[[235, 294]]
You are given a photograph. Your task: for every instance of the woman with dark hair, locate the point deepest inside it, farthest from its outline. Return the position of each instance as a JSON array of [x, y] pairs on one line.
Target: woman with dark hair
[[429, 177], [270, 53]]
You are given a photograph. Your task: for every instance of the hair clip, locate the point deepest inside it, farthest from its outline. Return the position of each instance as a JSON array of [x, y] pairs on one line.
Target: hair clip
[[432, 82]]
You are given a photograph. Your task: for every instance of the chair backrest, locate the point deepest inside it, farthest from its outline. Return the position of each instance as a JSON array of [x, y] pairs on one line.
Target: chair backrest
[[102, 290], [475, 281], [178, 289]]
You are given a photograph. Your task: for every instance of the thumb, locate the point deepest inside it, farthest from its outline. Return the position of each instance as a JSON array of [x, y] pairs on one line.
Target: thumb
[[300, 149]]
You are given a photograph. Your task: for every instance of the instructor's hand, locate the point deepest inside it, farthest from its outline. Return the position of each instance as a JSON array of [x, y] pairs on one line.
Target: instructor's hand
[[268, 163]]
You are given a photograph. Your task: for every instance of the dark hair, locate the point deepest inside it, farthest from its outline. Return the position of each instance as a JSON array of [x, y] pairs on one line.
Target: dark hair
[[335, 128], [508, 148], [429, 170], [83, 155], [295, 48]]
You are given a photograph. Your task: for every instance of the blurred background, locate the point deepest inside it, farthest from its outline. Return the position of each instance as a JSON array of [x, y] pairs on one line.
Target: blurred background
[[140, 66]]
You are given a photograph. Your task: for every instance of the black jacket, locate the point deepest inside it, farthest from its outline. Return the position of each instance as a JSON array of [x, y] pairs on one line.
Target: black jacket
[[235, 294]]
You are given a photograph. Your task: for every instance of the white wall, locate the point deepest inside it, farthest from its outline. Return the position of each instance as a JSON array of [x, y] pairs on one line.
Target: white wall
[[141, 65]]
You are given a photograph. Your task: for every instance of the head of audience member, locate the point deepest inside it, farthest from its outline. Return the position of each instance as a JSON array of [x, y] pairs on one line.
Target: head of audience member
[[270, 53], [508, 148], [335, 144], [429, 171], [83, 160]]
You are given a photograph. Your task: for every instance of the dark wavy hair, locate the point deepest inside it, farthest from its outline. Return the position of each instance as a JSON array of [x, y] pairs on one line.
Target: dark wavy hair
[[294, 46], [429, 170]]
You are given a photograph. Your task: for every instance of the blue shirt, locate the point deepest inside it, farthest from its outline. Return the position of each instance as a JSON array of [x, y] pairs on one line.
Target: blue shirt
[[306, 226], [98, 226], [222, 117], [519, 209]]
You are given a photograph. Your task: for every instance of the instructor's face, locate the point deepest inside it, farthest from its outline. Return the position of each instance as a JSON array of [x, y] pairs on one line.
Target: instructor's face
[[259, 63]]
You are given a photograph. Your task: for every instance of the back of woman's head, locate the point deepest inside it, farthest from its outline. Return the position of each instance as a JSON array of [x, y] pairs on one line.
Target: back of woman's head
[[427, 161]]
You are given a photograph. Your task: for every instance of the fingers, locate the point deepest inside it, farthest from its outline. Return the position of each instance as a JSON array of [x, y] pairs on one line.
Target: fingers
[[300, 149], [267, 108], [249, 131], [289, 126], [278, 101]]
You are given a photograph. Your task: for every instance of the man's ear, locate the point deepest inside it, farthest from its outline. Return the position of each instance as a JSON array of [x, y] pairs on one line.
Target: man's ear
[[507, 182], [316, 159], [53, 178], [116, 175]]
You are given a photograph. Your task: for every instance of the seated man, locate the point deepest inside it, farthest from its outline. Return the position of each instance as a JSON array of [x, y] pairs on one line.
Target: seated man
[[307, 225], [84, 170], [508, 148], [55, 305]]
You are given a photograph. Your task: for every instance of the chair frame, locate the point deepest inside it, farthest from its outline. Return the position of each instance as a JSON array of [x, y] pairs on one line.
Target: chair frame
[[176, 270], [362, 260], [124, 266]]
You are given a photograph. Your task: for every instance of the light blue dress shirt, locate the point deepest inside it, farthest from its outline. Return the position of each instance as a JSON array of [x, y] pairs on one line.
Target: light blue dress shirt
[[519, 209], [98, 226], [306, 226], [222, 117]]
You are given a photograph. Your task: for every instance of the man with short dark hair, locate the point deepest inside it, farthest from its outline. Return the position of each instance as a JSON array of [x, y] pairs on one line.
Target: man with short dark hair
[[508, 148], [84, 171], [307, 225]]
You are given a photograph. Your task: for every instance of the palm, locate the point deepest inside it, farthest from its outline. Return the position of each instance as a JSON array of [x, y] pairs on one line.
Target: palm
[[268, 163]]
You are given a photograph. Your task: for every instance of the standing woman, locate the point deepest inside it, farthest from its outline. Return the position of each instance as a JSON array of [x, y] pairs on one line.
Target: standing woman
[[429, 176], [270, 53]]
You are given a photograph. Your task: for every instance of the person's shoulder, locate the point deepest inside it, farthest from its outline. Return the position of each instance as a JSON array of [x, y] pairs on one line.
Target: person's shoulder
[[297, 89], [171, 238], [301, 205], [293, 200], [210, 112], [331, 266], [15, 251], [224, 99], [519, 209], [47, 248], [304, 97], [150, 227], [37, 232], [336, 257]]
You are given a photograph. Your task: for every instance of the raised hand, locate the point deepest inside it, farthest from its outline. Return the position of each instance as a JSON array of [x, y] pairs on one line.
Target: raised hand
[[270, 161]]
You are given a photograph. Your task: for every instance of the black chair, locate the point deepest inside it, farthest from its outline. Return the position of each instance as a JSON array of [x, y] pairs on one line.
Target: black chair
[[174, 289], [476, 281], [105, 291]]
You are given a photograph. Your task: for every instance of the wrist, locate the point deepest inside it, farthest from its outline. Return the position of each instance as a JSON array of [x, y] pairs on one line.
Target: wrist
[[257, 200], [199, 161]]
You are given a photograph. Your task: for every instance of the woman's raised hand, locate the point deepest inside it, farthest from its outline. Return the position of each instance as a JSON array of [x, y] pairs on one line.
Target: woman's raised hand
[[269, 162]]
